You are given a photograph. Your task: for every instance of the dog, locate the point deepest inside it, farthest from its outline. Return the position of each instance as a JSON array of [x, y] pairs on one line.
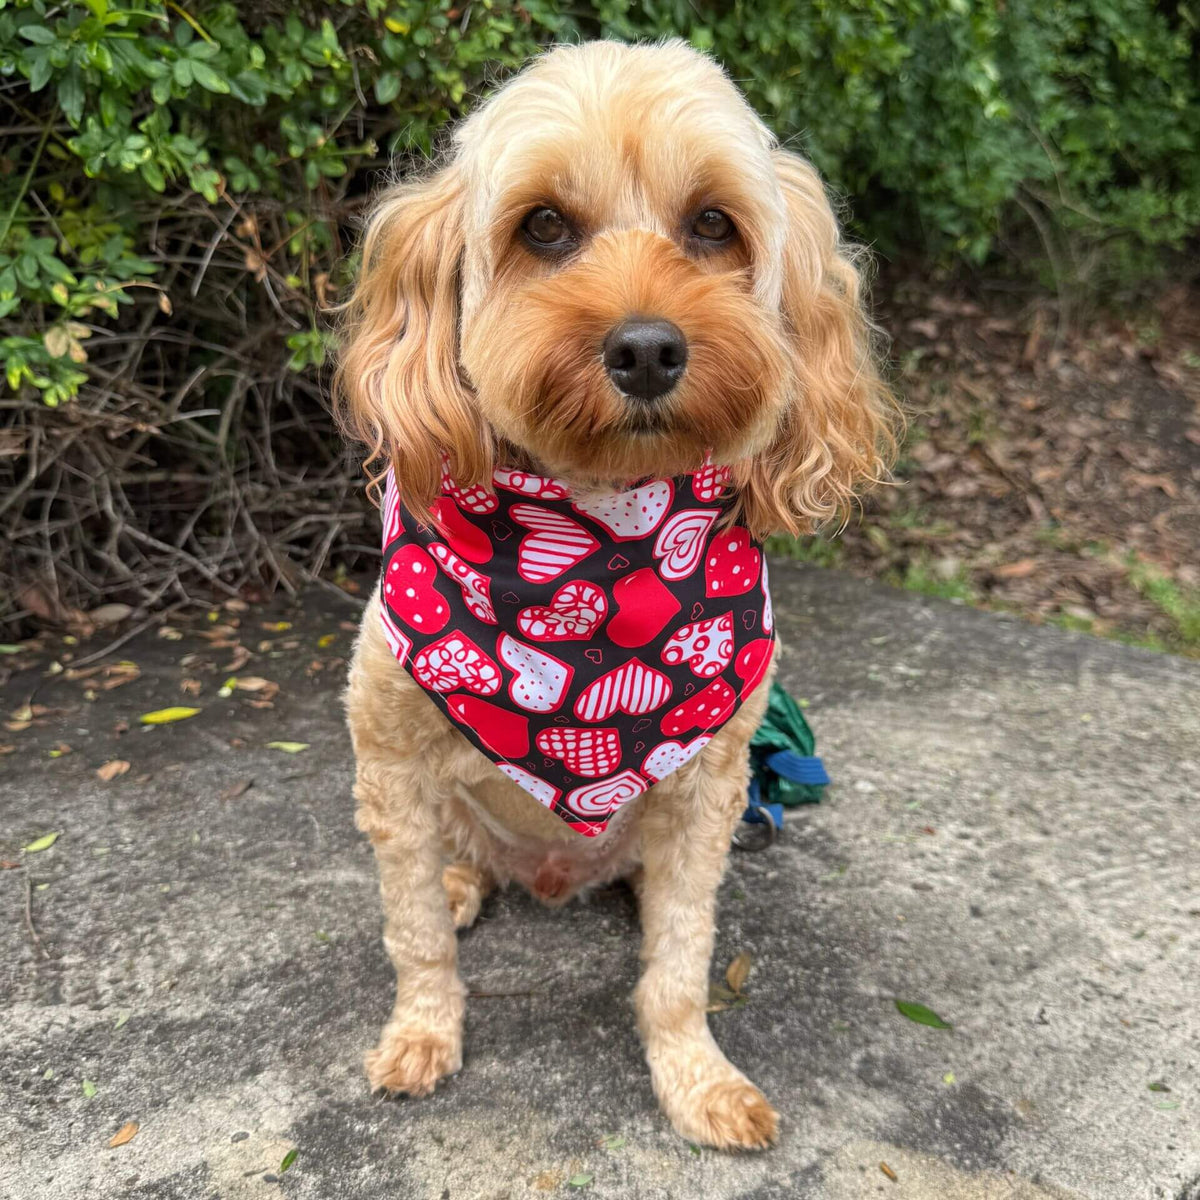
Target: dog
[[615, 304]]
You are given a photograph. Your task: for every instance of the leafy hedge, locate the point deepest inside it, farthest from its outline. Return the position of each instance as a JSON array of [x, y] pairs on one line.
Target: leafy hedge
[[180, 184]]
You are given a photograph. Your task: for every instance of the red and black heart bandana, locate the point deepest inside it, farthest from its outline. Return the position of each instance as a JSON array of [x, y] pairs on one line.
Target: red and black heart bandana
[[589, 647]]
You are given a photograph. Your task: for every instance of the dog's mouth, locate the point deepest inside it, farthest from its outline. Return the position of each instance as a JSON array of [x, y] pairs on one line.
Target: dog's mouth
[[647, 423]]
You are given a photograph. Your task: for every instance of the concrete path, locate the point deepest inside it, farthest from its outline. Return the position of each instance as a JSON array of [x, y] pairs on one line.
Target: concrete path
[[1013, 840]]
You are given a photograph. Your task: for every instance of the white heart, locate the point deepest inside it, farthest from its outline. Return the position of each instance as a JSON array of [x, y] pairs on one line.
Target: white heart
[[680, 542], [539, 679]]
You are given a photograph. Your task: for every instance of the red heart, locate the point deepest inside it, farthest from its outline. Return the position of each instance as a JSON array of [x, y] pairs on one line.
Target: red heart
[[706, 709], [733, 565], [644, 605], [596, 656], [710, 481], [409, 589], [502, 730], [554, 544], [473, 499], [697, 611], [455, 661], [573, 614], [587, 752], [466, 539], [752, 662], [632, 688]]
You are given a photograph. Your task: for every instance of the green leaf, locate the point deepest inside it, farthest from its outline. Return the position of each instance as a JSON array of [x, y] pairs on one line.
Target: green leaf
[[164, 716], [38, 34], [43, 843], [1158, 1086], [206, 77], [9, 648], [387, 87], [89, 1089], [921, 1015], [70, 96], [122, 1017], [580, 1181], [288, 1159], [288, 747]]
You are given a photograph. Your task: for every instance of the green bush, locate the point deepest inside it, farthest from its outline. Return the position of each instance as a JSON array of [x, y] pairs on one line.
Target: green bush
[[180, 185]]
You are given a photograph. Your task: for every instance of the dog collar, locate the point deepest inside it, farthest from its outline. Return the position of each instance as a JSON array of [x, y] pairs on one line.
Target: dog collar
[[588, 646]]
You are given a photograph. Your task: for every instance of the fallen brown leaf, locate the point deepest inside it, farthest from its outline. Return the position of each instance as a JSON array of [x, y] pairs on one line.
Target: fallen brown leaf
[[110, 770], [191, 687], [889, 1172], [234, 790], [1020, 569], [738, 971], [1144, 483], [7, 864], [126, 1133], [8, 748]]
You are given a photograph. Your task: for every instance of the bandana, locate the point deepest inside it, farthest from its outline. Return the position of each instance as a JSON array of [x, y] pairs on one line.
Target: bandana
[[589, 647]]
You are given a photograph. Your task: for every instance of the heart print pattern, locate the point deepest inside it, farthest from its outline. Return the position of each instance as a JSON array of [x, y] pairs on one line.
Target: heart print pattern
[[547, 626]]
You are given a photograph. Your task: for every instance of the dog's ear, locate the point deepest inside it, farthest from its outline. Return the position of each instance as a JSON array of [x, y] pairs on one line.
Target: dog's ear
[[837, 432], [399, 386]]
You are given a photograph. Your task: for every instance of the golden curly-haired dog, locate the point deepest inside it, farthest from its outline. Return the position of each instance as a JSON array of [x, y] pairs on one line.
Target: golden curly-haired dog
[[603, 183]]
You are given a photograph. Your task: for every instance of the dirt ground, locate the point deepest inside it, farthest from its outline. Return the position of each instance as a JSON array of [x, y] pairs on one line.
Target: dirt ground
[[1050, 469]]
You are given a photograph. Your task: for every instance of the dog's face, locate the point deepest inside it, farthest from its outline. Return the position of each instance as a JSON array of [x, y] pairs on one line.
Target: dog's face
[[615, 274]]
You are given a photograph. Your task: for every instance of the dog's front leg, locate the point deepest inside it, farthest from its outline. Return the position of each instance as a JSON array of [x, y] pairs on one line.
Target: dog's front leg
[[422, 1040], [685, 840]]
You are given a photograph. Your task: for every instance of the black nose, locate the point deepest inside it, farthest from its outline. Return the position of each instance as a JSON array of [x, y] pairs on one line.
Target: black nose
[[645, 359]]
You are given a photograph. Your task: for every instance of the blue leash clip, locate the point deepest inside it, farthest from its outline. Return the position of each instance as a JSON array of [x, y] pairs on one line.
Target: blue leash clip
[[795, 768]]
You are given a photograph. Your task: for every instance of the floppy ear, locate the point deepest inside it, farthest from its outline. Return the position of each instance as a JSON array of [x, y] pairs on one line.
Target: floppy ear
[[399, 387], [837, 433]]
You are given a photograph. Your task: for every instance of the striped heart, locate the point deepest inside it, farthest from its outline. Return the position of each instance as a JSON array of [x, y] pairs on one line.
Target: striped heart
[[554, 544], [632, 688]]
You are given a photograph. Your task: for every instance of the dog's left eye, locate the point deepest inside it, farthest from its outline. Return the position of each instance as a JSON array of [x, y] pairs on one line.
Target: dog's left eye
[[713, 226], [547, 228]]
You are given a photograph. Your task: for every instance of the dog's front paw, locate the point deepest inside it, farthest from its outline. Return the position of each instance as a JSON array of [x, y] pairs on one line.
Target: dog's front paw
[[729, 1114], [711, 1102], [411, 1061]]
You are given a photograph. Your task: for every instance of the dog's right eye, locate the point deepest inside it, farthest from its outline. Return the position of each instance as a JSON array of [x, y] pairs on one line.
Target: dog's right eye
[[547, 229]]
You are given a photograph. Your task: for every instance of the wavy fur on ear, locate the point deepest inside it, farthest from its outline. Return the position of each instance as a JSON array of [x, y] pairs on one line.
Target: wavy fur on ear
[[837, 434], [399, 388]]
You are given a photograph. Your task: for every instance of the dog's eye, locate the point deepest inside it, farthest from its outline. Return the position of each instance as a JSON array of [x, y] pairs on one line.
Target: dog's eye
[[713, 226], [547, 228]]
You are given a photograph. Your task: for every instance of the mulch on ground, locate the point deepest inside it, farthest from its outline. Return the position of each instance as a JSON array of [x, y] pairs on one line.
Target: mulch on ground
[[1050, 471]]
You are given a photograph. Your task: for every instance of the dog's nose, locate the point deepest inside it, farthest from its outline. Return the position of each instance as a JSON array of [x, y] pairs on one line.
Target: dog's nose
[[645, 358]]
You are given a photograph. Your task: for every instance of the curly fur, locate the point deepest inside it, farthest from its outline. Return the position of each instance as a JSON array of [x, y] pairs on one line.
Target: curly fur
[[461, 340]]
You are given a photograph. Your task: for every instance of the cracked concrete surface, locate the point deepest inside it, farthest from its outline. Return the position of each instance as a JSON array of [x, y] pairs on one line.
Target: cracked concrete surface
[[1012, 839]]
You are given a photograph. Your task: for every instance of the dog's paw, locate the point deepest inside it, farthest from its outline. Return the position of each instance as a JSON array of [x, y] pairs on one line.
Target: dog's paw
[[729, 1114], [712, 1103], [411, 1062], [465, 890]]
